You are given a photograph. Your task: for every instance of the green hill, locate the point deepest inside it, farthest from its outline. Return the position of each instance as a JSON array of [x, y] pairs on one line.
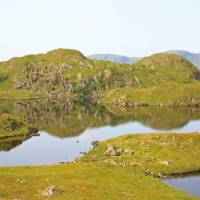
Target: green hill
[[194, 58], [66, 73]]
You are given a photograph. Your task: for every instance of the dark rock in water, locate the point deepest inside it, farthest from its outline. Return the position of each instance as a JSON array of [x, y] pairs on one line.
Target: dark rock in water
[[112, 151], [51, 191], [95, 143], [36, 134], [32, 130]]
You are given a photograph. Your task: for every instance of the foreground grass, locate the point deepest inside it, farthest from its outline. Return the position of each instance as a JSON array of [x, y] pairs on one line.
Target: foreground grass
[[166, 95], [97, 176], [164, 154]]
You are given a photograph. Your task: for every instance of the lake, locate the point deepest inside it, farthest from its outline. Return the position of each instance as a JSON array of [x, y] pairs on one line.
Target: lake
[[67, 130], [188, 184]]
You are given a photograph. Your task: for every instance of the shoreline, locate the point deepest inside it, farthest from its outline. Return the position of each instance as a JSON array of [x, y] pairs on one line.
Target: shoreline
[[123, 170]]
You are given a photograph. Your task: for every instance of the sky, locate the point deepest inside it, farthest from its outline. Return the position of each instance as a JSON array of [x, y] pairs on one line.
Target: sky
[[125, 27]]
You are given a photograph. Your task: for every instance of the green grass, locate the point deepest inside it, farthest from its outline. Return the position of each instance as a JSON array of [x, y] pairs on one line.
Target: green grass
[[181, 150], [171, 95], [95, 176]]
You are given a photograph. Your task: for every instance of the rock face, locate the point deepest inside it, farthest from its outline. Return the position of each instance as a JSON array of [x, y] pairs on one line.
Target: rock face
[[51, 191], [112, 151]]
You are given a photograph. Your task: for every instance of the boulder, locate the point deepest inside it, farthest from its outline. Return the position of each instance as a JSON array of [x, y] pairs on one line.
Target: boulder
[[95, 143], [165, 162], [112, 151], [51, 191]]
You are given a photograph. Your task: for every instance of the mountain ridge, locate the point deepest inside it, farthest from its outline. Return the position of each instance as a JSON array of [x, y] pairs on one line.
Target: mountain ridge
[[115, 58], [194, 58]]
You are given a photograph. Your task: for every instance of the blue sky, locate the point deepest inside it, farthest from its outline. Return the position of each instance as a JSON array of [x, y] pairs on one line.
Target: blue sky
[[127, 27]]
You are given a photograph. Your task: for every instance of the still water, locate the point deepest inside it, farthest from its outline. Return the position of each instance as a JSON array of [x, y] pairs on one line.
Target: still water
[[188, 184], [67, 130]]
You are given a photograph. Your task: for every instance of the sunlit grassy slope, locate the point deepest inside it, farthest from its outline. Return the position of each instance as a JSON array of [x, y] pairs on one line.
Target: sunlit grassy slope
[[96, 176], [68, 73]]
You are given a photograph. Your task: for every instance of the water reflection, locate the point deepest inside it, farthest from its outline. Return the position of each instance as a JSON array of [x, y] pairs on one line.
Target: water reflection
[[62, 124], [6, 144], [64, 119]]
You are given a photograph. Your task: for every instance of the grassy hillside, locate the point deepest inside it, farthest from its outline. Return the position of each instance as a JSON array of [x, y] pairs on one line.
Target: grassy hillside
[[194, 58], [65, 73], [97, 176], [166, 95], [166, 80], [166, 67]]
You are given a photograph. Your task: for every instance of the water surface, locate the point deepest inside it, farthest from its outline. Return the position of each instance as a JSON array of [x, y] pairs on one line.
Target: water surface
[[66, 130], [188, 184]]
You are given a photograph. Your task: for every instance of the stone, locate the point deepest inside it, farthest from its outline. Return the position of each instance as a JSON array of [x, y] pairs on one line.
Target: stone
[[95, 143], [112, 151], [51, 191], [128, 151], [165, 162]]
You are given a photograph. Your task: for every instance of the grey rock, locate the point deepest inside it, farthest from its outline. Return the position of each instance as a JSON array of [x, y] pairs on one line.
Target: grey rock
[[51, 191], [112, 151], [95, 143]]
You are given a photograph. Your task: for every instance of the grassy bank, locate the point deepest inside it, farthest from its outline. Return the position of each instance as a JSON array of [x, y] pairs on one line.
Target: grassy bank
[[97, 176], [166, 95]]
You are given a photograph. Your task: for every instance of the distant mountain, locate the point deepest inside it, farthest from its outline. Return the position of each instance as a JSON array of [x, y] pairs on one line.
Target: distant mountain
[[115, 58], [194, 58]]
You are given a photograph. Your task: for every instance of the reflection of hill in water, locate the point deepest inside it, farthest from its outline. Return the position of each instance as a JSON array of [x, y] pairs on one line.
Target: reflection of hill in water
[[12, 142], [66, 120], [160, 118]]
